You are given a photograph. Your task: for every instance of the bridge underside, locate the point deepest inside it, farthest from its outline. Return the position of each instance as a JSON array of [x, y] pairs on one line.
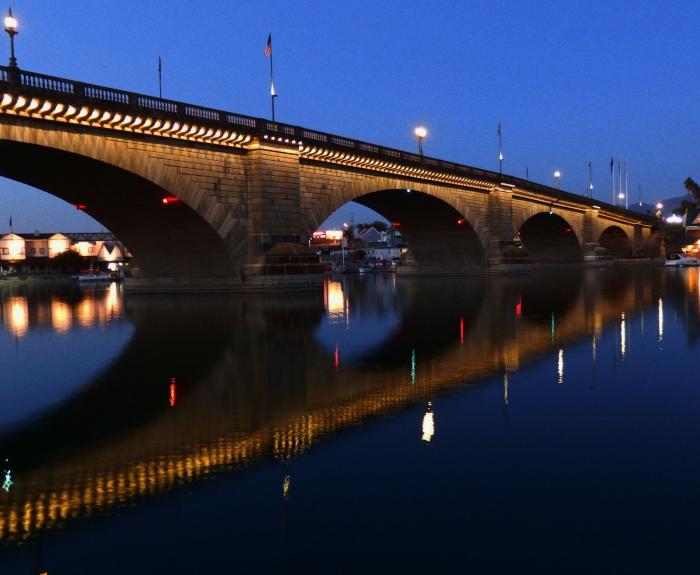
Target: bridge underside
[[549, 238], [440, 240], [169, 242]]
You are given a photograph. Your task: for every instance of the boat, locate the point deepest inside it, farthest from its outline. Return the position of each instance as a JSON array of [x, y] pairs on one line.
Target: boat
[[93, 277], [681, 260]]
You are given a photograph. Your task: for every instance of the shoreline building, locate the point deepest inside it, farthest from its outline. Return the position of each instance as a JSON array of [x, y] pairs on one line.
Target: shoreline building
[[34, 251]]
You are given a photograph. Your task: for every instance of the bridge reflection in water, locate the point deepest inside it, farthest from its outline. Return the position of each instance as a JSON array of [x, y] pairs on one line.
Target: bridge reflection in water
[[207, 384]]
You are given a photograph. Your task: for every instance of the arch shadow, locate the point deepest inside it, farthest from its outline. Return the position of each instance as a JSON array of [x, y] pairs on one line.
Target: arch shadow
[[549, 238], [615, 240], [439, 237], [170, 240]]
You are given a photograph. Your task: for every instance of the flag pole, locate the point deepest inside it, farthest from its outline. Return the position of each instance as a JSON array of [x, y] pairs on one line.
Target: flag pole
[[612, 177], [590, 180], [272, 89], [619, 179], [273, 95], [160, 78], [500, 150]]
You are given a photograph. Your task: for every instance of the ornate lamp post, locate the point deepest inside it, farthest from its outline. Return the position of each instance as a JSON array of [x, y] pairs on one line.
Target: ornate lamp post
[[420, 132], [11, 29], [557, 177]]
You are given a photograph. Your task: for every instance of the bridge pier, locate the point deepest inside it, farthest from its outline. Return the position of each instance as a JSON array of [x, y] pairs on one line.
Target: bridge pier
[[277, 256], [500, 224], [590, 236]]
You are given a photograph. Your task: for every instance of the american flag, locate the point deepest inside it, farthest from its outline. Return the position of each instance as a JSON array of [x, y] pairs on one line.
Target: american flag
[[268, 47]]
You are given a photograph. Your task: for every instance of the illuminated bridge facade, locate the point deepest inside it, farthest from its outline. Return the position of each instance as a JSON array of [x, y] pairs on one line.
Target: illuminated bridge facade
[[201, 195]]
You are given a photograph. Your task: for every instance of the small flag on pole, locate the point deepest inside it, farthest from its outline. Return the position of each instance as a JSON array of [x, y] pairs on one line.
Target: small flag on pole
[[268, 47], [498, 130], [612, 163], [10, 223]]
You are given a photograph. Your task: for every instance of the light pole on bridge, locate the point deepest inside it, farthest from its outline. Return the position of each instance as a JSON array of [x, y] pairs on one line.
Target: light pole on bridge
[[11, 29], [420, 132], [557, 177]]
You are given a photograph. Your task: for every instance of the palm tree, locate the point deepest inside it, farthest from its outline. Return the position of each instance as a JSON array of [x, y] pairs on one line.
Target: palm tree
[[693, 189]]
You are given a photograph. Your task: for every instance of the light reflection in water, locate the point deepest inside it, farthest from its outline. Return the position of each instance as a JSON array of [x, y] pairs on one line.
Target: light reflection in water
[[85, 313], [61, 315], [623, 336], [428, 426], [560, 367], [661, 319], [594, 348], [173, 392], [413, 367], [94, 308], [335, 302], [444, 368], [17, 310]]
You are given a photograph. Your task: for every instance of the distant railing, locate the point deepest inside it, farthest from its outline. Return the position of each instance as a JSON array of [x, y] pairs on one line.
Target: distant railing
[[81, 92]]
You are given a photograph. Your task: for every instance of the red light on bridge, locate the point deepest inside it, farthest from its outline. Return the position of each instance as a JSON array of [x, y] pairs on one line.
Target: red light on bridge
[[173, 397], [80, 207], [461, 221], [395, 224], [568, 230], [167, 200]]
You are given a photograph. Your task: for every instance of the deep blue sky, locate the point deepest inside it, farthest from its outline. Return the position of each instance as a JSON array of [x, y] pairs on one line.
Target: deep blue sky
[[571, 82]]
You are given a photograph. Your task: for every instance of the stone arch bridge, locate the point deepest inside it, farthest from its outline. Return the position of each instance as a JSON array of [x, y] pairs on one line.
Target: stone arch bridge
[[201, 195]]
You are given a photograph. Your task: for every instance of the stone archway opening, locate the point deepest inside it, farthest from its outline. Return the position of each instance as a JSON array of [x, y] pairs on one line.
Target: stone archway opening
[[168, 240], [438, 238], [549, 238], [616, 241]]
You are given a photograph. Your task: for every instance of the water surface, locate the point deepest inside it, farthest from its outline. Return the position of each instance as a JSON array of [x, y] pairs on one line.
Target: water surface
[[539, 422]]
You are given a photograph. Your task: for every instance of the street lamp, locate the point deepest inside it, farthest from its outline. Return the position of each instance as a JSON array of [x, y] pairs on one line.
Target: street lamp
[[11, 29], [420, 132], [557, 176]]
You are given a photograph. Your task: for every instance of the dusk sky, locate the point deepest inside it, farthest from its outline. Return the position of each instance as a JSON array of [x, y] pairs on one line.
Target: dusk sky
[[570, 82]]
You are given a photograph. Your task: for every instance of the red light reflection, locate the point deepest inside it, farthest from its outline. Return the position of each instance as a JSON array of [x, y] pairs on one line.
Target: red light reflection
[[173, 385]]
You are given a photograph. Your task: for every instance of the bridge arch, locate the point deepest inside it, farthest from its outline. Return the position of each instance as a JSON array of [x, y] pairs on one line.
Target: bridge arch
[[122, 185], [616, 241], [444, 233], [549, 238]]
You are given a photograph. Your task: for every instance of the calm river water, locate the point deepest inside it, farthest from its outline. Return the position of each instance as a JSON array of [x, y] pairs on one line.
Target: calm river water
[[535, 423]]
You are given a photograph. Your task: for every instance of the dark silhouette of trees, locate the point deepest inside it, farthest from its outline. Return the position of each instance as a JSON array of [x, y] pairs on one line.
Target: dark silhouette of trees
[[693, 189]]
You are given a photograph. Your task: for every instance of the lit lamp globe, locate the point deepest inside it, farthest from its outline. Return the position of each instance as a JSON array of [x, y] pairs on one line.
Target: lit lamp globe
[[557, 176], [659, 206], [420, 132]]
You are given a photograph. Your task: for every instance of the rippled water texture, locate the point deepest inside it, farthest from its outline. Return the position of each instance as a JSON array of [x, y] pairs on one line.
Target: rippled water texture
[[535, 423]]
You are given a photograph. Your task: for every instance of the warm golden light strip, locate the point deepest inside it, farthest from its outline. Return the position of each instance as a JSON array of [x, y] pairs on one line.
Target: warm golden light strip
[[92, 116], [348, 159]]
